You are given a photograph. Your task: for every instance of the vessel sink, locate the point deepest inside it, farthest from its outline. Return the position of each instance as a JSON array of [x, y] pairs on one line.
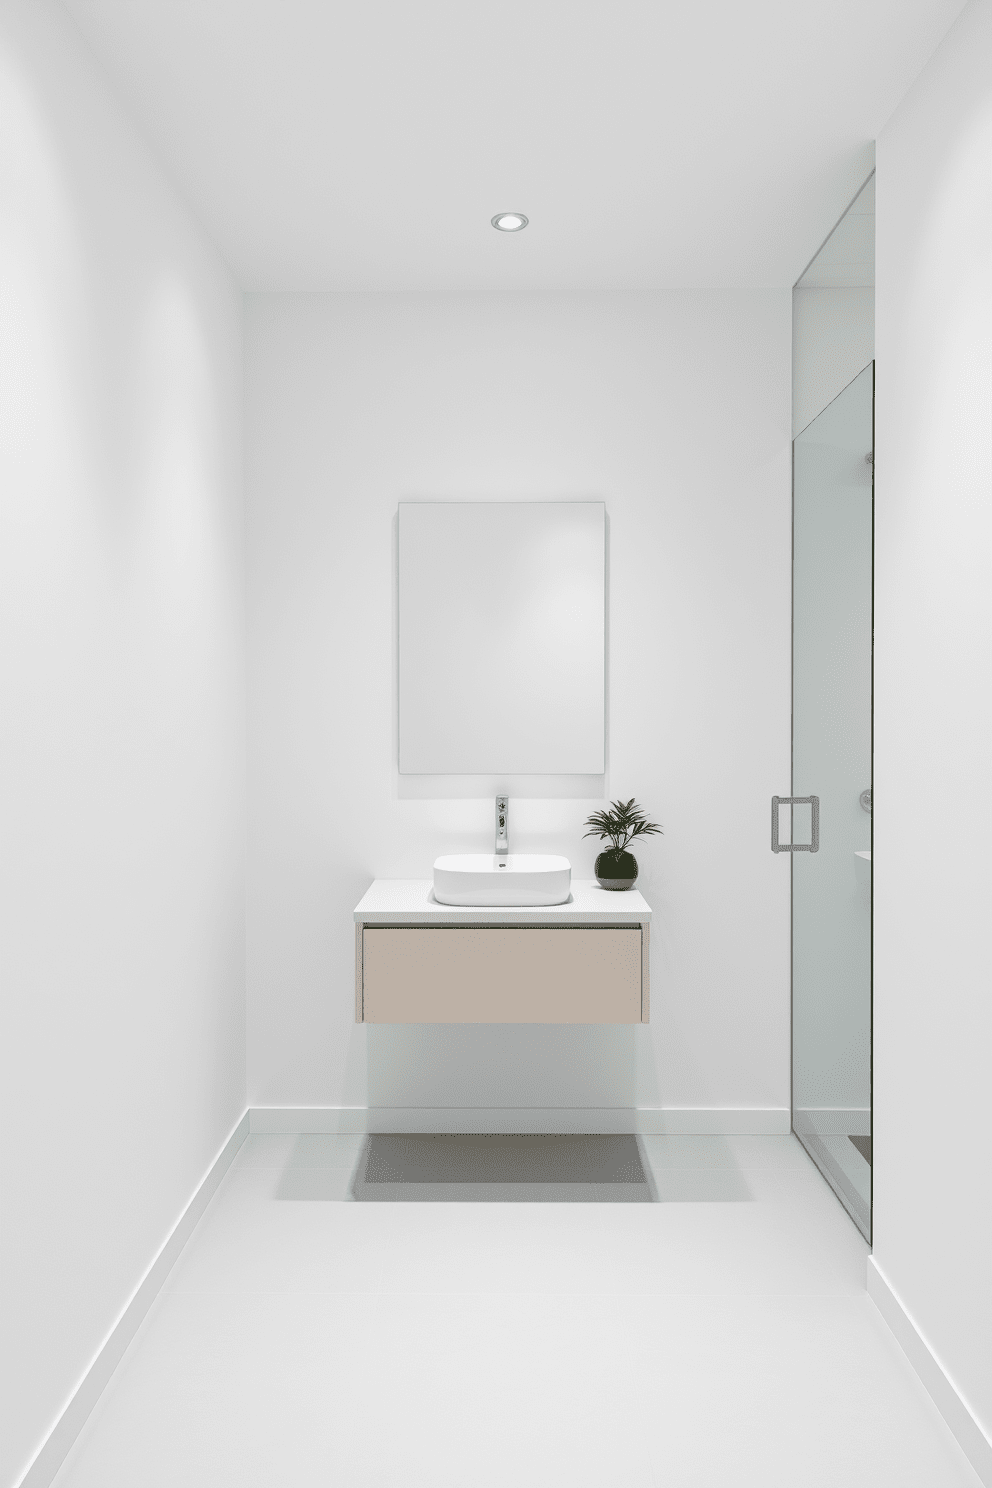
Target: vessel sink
[[517, 880]]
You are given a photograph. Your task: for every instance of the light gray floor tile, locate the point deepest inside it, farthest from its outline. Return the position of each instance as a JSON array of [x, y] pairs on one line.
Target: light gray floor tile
[[379, 1392], [255, 1237], [307, 1151], [724, 1152], [718, 1337]]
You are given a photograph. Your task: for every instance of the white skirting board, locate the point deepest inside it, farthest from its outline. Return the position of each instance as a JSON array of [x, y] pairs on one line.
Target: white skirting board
[[646, 1121], [941, 1389], [55, 1447]]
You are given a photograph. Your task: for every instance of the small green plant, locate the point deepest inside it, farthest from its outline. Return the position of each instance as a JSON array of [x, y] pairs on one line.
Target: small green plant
[[620, 825]]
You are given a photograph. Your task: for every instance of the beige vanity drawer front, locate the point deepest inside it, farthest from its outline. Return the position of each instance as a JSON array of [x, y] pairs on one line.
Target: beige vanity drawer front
[[501, 975]]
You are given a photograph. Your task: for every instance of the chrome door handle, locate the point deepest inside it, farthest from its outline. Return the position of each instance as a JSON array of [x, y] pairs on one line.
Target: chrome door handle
[[814, 802]]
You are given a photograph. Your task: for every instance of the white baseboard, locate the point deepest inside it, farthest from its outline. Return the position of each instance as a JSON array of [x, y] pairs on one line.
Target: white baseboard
[[662, 1120], [940, 1387], [55, 1448]]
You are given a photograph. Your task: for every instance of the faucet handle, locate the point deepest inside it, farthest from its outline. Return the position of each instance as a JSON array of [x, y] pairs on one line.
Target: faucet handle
[[502, 835]]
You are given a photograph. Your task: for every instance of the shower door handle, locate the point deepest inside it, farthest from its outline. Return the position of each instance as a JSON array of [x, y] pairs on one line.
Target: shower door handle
[[812, 801]]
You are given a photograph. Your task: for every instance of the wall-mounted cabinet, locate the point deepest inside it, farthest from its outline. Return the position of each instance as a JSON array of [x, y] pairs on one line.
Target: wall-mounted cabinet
[[417, 961]]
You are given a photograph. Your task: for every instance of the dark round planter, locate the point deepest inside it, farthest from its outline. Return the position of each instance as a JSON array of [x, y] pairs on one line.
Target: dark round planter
[[616, 870]]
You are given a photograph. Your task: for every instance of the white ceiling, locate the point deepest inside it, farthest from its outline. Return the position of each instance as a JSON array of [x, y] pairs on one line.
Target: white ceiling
[[366, 145]]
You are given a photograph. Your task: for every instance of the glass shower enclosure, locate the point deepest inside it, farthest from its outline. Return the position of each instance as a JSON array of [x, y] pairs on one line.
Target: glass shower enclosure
[[833, 463], [826, 822]]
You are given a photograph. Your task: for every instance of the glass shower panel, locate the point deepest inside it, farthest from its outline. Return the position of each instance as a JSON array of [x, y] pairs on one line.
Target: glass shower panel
[[831, 759]]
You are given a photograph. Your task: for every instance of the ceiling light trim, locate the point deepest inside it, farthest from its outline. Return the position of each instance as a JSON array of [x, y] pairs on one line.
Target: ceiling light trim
[[510, 221]]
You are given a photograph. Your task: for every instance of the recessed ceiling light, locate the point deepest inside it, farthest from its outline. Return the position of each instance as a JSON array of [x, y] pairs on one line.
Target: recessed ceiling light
[[509, 221]]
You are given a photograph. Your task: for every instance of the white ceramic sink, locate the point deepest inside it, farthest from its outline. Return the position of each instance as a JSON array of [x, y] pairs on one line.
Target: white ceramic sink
[[487, 881]]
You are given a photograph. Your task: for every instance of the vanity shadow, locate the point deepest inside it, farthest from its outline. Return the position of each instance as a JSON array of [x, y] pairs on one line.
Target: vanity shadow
[[476, 1168]]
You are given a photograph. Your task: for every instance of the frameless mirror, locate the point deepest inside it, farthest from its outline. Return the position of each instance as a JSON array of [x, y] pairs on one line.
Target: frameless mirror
[[502, 637]]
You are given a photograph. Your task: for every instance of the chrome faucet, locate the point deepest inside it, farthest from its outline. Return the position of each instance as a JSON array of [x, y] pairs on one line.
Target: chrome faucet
[[502, 837]]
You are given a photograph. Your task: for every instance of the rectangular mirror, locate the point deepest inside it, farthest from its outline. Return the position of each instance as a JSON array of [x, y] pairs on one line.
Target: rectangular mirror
[[502, 637]]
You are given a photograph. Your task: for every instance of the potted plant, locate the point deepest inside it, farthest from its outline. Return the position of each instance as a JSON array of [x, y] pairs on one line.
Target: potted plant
[[615, 867]]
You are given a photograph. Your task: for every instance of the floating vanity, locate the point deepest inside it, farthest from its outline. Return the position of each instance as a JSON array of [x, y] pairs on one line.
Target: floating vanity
[[418, 961]]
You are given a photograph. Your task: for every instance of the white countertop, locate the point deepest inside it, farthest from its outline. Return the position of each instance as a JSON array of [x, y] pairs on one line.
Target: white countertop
[[407, 901]]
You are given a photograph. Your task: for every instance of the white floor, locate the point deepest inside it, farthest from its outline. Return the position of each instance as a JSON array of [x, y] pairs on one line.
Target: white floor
[[721, 1336]]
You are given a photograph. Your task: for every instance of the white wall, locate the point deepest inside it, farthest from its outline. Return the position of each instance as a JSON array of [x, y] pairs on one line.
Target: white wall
[[933, 706], [674, 408], [121, 714]]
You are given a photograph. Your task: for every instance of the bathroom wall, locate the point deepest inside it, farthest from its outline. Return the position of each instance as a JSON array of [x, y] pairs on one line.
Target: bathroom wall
[[121, 715], [933, 707], [673, 408]]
